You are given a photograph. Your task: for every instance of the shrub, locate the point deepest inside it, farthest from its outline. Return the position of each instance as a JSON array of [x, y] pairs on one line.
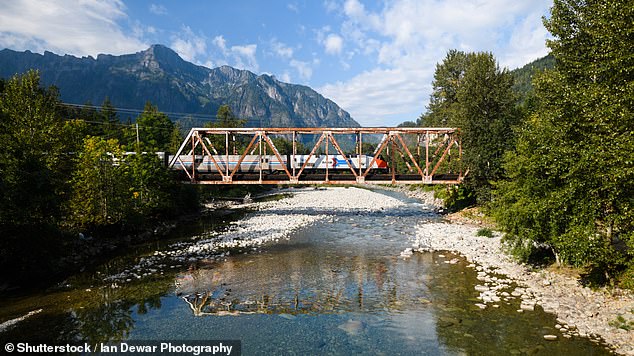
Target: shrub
[[485, 232]]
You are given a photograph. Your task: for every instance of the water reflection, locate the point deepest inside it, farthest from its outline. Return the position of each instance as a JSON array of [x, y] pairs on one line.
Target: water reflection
[[299, 281], [93, 315]]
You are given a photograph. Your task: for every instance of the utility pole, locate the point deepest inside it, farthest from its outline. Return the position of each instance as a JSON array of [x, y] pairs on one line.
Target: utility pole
[[137, 136]]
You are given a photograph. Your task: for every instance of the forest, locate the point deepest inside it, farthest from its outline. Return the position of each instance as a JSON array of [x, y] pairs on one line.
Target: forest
[[553, 162], [69, 172]]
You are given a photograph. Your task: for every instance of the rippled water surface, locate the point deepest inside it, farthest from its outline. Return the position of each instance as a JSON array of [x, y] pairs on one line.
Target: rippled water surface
[[338, 287]]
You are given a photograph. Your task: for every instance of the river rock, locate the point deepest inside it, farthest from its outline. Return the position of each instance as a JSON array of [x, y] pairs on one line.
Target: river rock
[[351, 327]]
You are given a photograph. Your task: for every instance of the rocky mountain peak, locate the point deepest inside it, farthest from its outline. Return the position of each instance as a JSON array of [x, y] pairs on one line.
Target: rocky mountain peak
[[161, 76], [161, 57]]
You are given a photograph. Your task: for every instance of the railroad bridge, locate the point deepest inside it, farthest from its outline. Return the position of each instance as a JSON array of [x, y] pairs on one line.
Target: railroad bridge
[[386, 155]]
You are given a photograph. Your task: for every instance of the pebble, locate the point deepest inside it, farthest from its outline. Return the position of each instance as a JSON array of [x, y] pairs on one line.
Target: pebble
[[580, 310]]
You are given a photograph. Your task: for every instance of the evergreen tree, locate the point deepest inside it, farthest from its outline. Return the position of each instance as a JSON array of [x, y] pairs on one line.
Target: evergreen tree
[[155, 131], [472, 93], [226, 119], [110, 121], [443, 104], [485, 113]]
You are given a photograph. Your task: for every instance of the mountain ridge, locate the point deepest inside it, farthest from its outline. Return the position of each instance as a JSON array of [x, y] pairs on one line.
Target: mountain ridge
[[161, 76]]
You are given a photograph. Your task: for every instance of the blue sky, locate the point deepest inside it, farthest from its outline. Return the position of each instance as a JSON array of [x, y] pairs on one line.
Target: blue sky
[[376, 59]]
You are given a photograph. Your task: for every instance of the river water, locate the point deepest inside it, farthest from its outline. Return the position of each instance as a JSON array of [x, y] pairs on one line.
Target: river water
[[338, 286]]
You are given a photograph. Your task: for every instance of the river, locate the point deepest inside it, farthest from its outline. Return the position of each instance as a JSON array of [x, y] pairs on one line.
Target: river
[[336, 284]]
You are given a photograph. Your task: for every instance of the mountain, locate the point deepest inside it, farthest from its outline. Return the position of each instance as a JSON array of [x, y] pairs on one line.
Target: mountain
[[174, 85], [523, 76]]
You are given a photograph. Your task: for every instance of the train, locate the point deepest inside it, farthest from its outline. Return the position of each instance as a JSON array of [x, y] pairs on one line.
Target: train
[[271, 164]]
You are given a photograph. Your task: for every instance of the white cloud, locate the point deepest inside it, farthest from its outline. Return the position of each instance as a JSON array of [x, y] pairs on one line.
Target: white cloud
[[286, 77], [526, 43], [304, 69], [293, 7], [333, 44], [242, 57], [158, 9], [281, 49], [407, 38], [389, 94], [66, 27], [220, 42], [189, 45], [331, 5]]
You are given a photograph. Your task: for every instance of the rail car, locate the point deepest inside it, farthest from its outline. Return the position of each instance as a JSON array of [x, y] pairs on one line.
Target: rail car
[[270, 163]]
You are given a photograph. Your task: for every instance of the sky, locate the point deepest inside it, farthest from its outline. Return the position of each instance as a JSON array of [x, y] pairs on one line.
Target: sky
[[375, 59]]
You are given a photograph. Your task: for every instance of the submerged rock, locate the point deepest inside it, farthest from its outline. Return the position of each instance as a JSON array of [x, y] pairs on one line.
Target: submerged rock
[[288, 316], [352, 327]]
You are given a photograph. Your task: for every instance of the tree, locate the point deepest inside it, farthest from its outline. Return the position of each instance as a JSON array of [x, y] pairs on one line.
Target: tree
[[443, 103], [34, 151], [155, 131], [110, 120], [486, 115], [152, 187], [472, 93], [100, 194], [571, 177], [226, 119]]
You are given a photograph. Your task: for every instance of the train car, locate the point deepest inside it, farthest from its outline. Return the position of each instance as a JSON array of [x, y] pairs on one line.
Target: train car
[[338, 162], [270, 163]]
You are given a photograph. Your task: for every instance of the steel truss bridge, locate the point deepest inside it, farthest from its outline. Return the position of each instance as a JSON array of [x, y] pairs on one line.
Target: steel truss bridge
[[413, 156]]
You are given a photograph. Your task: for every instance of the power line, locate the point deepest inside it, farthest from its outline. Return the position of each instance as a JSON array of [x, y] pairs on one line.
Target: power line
[[180, 115]]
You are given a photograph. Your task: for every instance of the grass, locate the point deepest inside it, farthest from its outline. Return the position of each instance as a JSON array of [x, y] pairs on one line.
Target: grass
[[485, 231], [621, 323]]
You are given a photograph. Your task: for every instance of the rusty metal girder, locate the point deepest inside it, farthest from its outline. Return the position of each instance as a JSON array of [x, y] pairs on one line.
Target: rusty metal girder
[[393, 140]]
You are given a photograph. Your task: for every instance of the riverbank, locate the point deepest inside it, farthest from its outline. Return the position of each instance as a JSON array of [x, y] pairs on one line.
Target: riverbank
[[603, 315]]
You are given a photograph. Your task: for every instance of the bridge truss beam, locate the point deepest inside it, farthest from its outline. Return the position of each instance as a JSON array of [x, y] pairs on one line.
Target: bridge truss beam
[[414, 156]]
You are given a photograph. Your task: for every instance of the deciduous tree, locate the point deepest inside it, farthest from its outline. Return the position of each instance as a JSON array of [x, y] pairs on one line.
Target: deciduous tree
[[572, 174]]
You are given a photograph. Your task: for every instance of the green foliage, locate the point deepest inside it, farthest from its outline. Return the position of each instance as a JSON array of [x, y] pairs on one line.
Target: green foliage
[[621, 323], [34, 156], [54, 179], [110, 188], [443, 103], [99, 195], [486, 117], [486, 232], [456, 197], [523, 77], [151, 185], [156, 131], [226, 119], [473, 94], [571, 176]]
